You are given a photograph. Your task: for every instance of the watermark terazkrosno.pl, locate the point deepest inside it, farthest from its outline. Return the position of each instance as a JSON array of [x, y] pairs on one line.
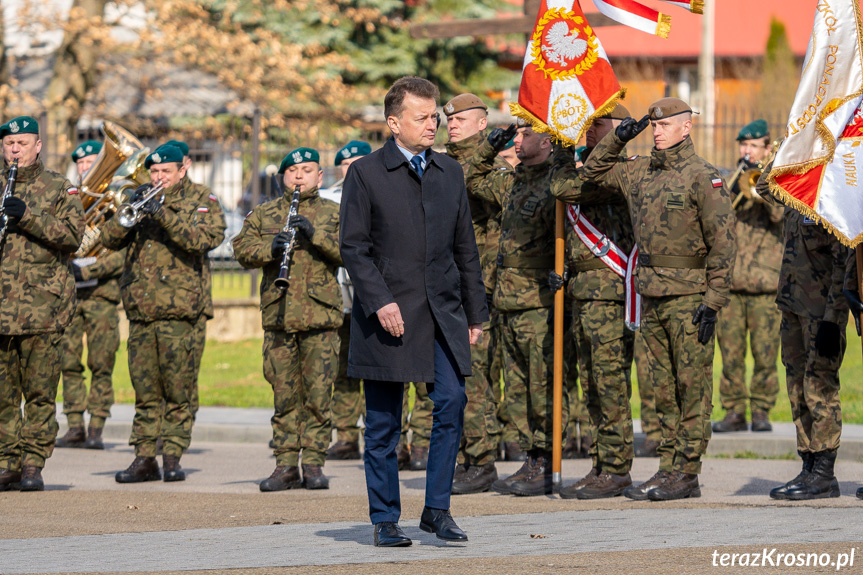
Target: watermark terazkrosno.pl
[[775, 558]]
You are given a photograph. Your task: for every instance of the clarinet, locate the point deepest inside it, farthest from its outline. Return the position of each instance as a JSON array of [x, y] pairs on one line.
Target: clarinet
[[284, 279], [7, 193]]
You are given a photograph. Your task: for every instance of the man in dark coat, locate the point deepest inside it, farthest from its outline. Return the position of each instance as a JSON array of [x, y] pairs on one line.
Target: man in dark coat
[[408, 244]]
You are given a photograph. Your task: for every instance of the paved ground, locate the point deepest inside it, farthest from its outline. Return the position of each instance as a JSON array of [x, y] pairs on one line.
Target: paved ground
[[218, 522]]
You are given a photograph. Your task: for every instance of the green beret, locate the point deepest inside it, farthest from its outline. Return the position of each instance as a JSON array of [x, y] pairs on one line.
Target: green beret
[[510, 144], [579, 153], [299, 156], [184, 147], [88, 148], [164, 154], [20, 125], [353, 149], [754, 131]]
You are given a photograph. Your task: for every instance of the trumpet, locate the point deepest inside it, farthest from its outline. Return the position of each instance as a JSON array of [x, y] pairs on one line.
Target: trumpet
[[131, 213]]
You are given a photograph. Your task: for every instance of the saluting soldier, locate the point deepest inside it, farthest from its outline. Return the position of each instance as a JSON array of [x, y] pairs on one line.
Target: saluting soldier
[[522, 294], [209, 209], [752, 306], [301, 322], [162, 293], [600, 242], [96, 317], [684, 227], [467, 119], [347, 406], [45, 225]]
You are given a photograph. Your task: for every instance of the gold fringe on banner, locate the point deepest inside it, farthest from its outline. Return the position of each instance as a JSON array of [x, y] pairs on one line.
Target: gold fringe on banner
[[663, 25], [696, 6]]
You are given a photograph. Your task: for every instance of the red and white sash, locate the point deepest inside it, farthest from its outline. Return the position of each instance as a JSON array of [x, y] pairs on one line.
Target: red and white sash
[[612, 256]]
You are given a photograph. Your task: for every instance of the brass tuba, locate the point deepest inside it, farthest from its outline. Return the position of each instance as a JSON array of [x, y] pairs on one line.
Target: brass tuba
[[99, 201]]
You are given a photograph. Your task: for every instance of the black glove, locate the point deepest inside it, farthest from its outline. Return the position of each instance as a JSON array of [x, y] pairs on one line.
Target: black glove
[[138, 194], [302, 225], [153, 205], [500, 137], [828, 339], [856, 306], [705, 319], [280, 243], [76, 271], [15, 208], [556, 281], [629, 128]]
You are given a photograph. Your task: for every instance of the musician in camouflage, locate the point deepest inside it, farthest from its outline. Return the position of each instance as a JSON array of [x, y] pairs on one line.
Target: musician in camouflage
[[162, 294], [301, 322], [522, 295], [45, 224], [96, 316], [684, 227], [605, 344], [752, 305]]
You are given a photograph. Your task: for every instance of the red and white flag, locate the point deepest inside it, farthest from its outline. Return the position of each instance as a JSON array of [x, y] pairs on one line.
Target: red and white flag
[[817, 170], [637, 15], [567, 80]]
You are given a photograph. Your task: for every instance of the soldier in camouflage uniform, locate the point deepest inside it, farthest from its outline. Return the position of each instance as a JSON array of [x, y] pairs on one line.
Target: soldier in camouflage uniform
[[814, 318], [605, 344], [347, 405], [852, 294], [162, 293], [301, 321], [467, 119], [45, 225], [649, 419], [752, 307], [522, 295], [683, 224], [96, 316]]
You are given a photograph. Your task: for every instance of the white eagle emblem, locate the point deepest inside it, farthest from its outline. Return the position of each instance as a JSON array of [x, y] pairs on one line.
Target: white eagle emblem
[[346, 153], [13, 127], [449, 108], [298, 157], [157, 159], [563, 44], [80, 153]]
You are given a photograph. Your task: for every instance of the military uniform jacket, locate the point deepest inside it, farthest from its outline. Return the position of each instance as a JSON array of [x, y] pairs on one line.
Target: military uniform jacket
[[526, 248], [759, 247], [216, 217], [676, 210], [484, 215], [313, 300], [107, 271], [604, 208], [36, 283], [162, 277]]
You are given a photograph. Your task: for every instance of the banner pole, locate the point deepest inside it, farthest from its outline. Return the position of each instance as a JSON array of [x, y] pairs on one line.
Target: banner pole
[[859, 254], [559, 253]]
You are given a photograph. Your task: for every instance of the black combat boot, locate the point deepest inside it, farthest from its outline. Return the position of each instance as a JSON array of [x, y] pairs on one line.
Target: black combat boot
[[142, 469], [344, 450], [31, 479], [94, 438], [419, 458], [732, 422], [75, 437], [477, 479], [679, 486], [512, 451], [648, 448], [572, 449], [821, 483], [639, 492], [171, 468], [604, 486], [860, 493], [283, 477], [761, 422], [781, 492], [403, 455], [314, 478], [571, 491], [505, 485], [538, 481], [10, 480], [460, 471]]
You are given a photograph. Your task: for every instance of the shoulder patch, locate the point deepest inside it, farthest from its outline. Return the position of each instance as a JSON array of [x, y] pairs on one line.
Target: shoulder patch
[[72, 190], [204, 209], [248, 214], [213, 198], [630, 158], [717, 182], [807, 221]]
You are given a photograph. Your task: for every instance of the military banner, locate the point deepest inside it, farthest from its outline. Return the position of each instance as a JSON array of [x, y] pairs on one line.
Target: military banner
[[567, 80], [817, 168], [637, 15]]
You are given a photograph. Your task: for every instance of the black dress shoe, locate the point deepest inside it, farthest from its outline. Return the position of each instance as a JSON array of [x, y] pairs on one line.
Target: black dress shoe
[[441, 523], [389, 534]]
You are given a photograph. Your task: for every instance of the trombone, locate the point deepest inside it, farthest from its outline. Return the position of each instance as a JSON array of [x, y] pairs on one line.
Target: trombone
[[131, 213]]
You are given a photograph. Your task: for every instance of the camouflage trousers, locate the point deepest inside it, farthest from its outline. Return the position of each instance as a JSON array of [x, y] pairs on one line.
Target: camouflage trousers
[[29, 369], [605, 349], [680, 371], [348, 403], [418, 420], [758, 315], [480, 439], [99, 320], [649, 419], [301, 367], [199, 342], [578, 416], [813, 384], [529, 360], [509, 432], [161, 365]]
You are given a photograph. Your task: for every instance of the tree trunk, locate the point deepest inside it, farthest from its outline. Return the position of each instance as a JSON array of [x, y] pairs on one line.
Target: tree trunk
[[75, 74]]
